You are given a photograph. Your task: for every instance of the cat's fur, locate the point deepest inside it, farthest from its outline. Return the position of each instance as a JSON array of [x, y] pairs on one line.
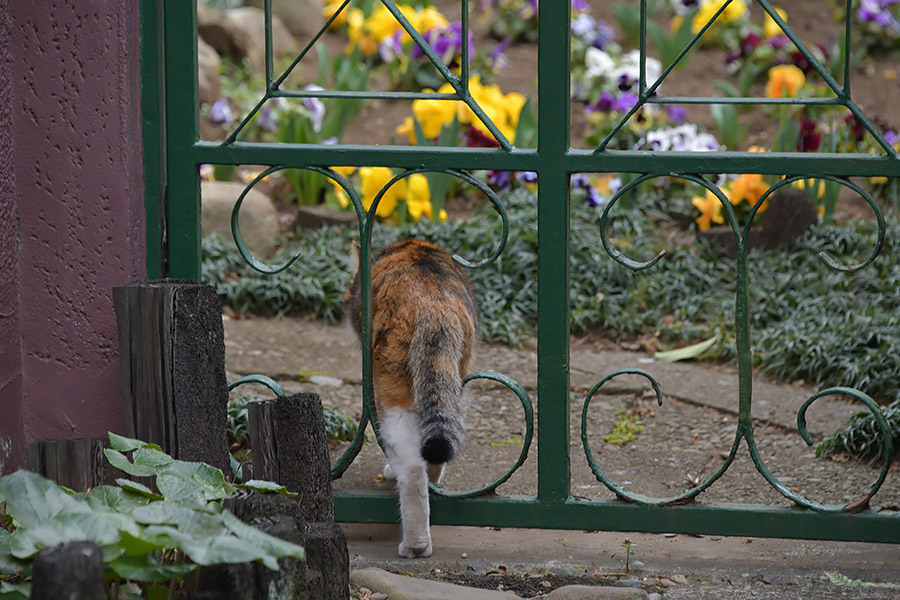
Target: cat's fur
[[424, 323]]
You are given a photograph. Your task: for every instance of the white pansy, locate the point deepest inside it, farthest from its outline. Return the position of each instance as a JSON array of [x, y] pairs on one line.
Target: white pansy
[[598, 63]]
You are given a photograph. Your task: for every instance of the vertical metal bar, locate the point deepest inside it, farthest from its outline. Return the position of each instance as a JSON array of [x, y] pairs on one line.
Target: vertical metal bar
[[183, 198], [642, 76], [153, 136], [553, 253], [464, 21], [270, 69], [847, 8]]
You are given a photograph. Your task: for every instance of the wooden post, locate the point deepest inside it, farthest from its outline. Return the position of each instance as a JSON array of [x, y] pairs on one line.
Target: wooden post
[[78, 464], [172, 354], [72, 570], [290, 446]]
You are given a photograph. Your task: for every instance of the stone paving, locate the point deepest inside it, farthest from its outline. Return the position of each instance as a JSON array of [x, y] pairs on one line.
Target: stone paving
[[675, 566]]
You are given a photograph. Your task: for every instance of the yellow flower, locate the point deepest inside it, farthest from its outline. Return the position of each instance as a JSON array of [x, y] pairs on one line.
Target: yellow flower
[[749, 187], [708, 9], [784, 81], [418, 197], [432, 115], [442, 216], [818, 188], [372, 180], [877, 180], [756, 149], [675, 23], [429, 18], [408, 129], [330, 7], [345, 171], [770, 27], [502, 109], [710, 210]]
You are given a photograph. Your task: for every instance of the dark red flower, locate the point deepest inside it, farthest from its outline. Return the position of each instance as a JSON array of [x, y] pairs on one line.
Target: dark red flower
[[810, 137]]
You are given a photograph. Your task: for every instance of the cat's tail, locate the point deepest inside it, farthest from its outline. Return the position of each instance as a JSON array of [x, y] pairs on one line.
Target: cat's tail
[[435, 353]]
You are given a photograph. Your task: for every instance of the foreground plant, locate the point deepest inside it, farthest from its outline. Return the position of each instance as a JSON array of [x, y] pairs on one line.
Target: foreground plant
[[155, 542]]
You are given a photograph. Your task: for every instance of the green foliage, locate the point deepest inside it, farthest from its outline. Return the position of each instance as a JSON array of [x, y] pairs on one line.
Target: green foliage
[[670, 46], [155, 539], [629, 561], [625, 427], [861, 436]]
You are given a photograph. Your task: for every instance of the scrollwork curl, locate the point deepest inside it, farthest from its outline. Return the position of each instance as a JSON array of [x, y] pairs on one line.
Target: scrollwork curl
[[622, 492], [235, 213], [482, 187], [887, 451], [528, 409], [824, 256], [635, 265]]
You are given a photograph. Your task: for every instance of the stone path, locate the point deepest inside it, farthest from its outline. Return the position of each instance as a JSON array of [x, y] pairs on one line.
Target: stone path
[[691, 428]]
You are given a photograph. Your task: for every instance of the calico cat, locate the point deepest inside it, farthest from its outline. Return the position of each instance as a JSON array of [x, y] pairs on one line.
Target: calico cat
[[424, 323]]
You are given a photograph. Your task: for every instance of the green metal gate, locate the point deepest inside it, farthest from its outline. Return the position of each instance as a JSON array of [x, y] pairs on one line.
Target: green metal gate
[[173, 154]]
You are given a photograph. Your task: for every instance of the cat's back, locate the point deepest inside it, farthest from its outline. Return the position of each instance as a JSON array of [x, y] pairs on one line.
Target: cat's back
[[412, 280]]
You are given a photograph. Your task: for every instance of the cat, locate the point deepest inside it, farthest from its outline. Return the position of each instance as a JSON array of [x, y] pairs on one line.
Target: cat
[[424, 325]]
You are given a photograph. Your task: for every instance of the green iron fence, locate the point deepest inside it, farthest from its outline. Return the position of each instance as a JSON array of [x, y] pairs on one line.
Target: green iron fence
[[173, 154]]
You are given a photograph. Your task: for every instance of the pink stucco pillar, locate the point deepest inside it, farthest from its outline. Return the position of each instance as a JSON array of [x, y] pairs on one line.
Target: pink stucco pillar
[[71, 214]]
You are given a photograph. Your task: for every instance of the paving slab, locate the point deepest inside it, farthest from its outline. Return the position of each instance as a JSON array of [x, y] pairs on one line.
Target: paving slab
[[403, 587]]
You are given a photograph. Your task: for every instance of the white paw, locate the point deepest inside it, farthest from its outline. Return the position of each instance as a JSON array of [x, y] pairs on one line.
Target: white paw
[[415, 550], [389, 472]]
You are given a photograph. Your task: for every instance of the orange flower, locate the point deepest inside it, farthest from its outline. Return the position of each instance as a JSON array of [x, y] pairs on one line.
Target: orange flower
[[749, 187], [710, 210], [784, 81]]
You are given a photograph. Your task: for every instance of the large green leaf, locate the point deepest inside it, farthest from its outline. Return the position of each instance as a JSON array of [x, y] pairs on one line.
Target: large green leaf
[[140, 568], [126, 444], [65, 527], [692, 351], [121, 462], [266, 486], [267, 544], [114, 499], [9, 564], [31, 499], [15, 591], [138, 488], [192, 483]]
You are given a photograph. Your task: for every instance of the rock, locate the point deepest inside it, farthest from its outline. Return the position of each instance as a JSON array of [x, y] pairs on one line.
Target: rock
[[790, 213], [315, 216], [679, 579], [595, 592], [401, 587], [241, 33], [629, 583], [208, 63], [258, 217], [481, 565], [303, 18], [325, 380]]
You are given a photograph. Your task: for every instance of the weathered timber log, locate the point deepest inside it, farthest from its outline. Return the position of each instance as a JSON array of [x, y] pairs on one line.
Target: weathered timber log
[[172, 354]]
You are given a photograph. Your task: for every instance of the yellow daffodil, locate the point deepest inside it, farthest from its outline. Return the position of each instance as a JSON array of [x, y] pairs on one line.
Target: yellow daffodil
[[442, 216], [756, 149], [433, 114], [372, 180], [345, 171], [418, 197], [770, 27], [710, 210], [407, 128], [784, 81], [709, 8], [330, 7], [804, 184], [748, 187]]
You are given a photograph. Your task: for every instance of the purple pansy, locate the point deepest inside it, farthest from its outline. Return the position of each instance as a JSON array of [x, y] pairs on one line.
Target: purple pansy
[[220, 112], [677, 113], [315, 107], [446, 41]]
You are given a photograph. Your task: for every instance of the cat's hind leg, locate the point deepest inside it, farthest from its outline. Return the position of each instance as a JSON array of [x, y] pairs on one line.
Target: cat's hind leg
[[435, 472], [403, 443]]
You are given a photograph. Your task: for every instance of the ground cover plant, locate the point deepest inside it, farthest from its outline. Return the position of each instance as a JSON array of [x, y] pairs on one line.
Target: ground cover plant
[[154, 542]]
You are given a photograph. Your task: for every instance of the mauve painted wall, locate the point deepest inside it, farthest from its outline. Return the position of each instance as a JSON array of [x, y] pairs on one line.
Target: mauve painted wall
[[75, 185]]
